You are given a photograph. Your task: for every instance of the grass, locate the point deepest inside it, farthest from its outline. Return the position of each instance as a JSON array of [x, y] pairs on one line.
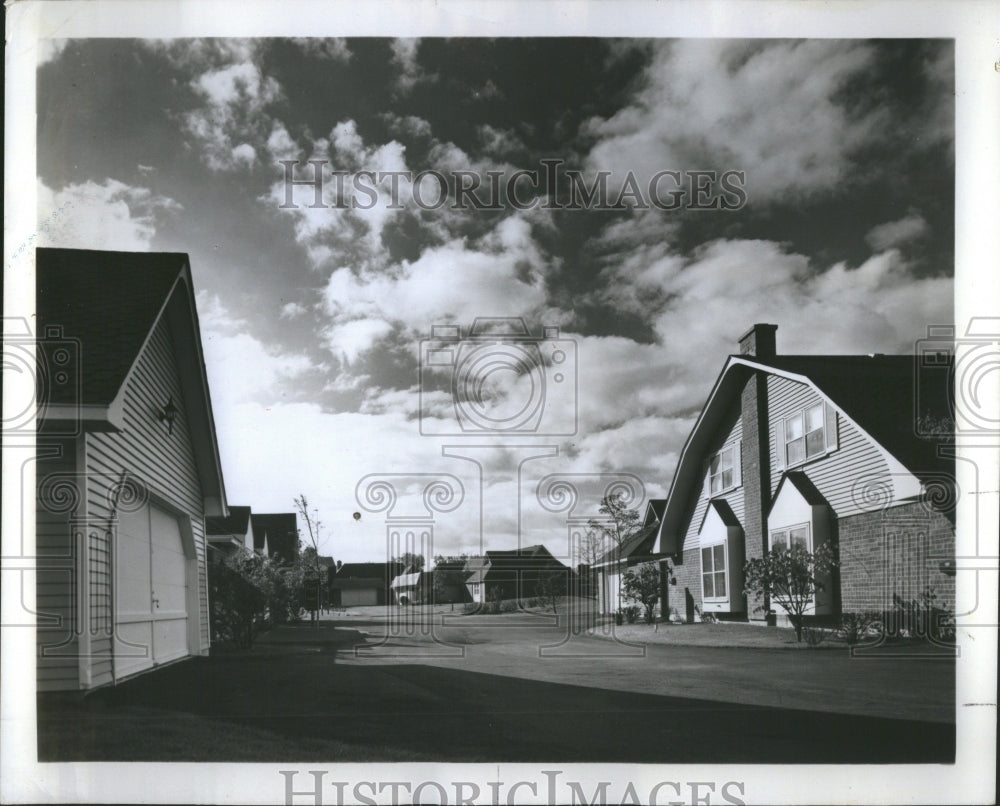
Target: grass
[[292, 699]]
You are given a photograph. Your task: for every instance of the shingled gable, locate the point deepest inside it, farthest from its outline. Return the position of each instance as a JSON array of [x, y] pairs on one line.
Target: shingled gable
[[877, 394], [111, 302]]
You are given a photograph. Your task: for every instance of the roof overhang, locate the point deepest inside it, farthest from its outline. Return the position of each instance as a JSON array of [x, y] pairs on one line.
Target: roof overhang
[[181, 315], [89, 417]]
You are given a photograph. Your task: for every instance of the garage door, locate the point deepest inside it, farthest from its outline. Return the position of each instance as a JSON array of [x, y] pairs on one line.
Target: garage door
[[358, 597], [151, 617]]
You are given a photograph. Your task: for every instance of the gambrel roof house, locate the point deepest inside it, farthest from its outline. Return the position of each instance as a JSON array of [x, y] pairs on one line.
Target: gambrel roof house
[[811, 450], [127, 467]]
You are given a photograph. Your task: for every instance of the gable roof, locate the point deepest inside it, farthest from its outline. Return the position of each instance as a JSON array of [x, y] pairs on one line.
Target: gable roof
[[654, 510], [279, 530], [110, 301], [640, 544], [108, 304], [237, 523], [376, 571], [720, 506], [885, 411], [801, 482]]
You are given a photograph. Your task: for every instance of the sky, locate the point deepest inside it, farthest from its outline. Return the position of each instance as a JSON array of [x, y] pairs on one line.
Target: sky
[[317, 321]]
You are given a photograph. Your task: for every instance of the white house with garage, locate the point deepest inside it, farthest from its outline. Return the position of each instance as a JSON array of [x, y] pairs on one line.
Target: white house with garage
[[127, 467]]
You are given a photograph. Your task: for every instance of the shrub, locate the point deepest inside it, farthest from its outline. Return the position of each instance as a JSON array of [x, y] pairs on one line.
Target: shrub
[[642, 584], [248, 594], [509, 606], [791, 578], [470, 607], [814, 636], [493, 600], [631, 613], [855, 627], [920, 617]]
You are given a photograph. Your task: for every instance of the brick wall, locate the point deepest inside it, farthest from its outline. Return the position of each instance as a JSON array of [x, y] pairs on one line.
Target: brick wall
[[756, 474], [686, 594], [898, 551]]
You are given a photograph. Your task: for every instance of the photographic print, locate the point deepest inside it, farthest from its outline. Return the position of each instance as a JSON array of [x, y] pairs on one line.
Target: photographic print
[[568, 415]]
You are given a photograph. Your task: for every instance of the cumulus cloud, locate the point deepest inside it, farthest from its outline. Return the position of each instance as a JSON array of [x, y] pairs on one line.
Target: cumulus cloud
[[240, 367], [502, 274], [333, 48], [235, 97], [896, 233], [770, 109], [405, 59], [101, 215]]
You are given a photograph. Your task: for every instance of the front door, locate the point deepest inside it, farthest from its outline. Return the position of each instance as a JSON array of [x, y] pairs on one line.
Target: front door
[[151, 619]]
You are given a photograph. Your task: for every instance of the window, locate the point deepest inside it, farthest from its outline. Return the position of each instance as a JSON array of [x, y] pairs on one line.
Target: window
[[782, 539], [722, 470], [713, 571], [805, 434]]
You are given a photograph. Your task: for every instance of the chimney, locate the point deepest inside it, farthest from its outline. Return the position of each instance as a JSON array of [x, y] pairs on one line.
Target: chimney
[[759, 342]]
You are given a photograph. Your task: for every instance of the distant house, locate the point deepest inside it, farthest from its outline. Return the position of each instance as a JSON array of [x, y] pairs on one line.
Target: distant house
[[127, 467], [811, 450], [412, 587], [359, 584], [638, 548], [443, 584], [227, 536], [514, 574], [276, 535]]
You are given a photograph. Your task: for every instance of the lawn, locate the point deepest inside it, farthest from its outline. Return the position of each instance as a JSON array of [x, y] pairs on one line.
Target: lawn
[[294, 699]]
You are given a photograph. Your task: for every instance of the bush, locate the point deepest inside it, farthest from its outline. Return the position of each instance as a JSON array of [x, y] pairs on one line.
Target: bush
[[855, 627], [920, 617], [249, 594], [814, 636], [509, 606], [631, 613], [493, 600]]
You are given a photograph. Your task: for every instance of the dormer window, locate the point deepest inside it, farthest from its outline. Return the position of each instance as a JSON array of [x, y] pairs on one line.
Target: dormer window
[[723, 470]]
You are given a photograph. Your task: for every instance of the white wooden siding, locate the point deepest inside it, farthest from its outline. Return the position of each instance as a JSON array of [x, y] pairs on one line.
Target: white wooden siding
[[55, 605], [732, 430], [164, 462], [835, 473]]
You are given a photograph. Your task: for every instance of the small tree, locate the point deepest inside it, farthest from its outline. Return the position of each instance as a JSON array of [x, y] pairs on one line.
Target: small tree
[[549, 588], [312, 568], [642, 584], [789, 578], [617, 526]]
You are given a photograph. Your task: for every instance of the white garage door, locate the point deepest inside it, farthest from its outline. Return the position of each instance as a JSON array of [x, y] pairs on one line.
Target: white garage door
[[151, 591], [358, 597]]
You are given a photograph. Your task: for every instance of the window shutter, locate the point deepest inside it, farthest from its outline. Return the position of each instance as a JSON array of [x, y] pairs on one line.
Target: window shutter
[[831, 427], [779, 452], [738, 463]]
